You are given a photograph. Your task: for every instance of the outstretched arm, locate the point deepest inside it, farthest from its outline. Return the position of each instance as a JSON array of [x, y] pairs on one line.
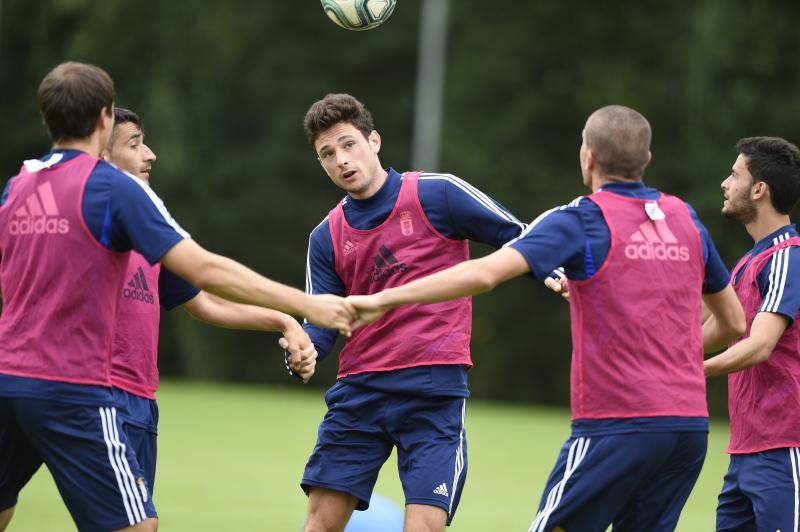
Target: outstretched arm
[[726, 321], [765, 333], [223, 313], [230, 280], [468, 278]]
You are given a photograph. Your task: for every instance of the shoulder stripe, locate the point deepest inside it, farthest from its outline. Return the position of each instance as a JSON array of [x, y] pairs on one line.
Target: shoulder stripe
[[309, 282], [159, 205], [779, 265], [476, 194], [545, 214]]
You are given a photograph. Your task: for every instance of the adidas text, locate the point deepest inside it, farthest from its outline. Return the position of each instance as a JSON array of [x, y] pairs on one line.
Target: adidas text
[[657, 251], [138, 295], [39, 226]]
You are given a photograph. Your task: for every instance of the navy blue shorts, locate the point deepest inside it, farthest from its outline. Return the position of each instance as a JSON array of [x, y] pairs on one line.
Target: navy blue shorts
[[761, 491], [635, 481], [139, 417], [362, 426], [86, 451]]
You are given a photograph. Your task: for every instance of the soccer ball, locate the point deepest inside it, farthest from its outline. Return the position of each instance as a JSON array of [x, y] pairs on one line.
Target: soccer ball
[[358, 15]]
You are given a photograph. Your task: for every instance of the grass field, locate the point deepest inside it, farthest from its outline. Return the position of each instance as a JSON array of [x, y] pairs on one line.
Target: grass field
[[230, 459]]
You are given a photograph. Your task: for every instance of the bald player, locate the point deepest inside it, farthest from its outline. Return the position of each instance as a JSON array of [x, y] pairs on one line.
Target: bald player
[[639, 415]]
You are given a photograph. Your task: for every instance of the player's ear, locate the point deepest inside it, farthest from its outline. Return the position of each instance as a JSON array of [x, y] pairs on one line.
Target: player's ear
[[759, 190], [374, 141]]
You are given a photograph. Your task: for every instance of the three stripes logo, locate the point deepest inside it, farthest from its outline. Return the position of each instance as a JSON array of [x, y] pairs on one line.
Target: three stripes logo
[[655, 241], [39, 215], [137, 288], [386, 265], [441, 489]]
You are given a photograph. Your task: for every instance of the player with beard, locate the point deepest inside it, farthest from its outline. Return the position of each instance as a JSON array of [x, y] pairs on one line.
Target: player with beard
[[761, 487]]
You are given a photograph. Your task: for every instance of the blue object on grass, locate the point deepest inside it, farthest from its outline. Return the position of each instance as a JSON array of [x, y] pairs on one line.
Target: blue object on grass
[[382, 516]]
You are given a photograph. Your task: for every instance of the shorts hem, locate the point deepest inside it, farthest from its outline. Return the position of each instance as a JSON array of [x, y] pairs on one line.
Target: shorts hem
[[436, 503], [362, 504], [8, 503], [123, 523]]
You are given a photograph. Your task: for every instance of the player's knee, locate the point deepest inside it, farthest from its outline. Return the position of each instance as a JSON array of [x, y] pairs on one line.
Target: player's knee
[[5, 517], [320, 525], [148, 525]]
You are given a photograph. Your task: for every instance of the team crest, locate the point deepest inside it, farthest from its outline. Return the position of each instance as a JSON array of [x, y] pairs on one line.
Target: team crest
[[406, 225], [142, 488], [349, 248]]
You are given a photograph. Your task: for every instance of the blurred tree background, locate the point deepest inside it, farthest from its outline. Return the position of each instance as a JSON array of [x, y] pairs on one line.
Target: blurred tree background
[[223, 87]]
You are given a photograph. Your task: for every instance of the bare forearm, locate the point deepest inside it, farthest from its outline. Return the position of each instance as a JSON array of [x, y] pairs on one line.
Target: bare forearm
[[714, 339], [222, 313], [746, 353], [464, 279]]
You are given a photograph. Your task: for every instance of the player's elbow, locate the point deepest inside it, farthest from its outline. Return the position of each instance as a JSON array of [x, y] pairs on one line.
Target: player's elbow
[[485, 280]]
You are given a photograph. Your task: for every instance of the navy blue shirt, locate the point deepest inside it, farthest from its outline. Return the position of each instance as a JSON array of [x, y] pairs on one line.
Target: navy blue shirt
[[457, 210], [779, 278], [123, 213], [576, 236]]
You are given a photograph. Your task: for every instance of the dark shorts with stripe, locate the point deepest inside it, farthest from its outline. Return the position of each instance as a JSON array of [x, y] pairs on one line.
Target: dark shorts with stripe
[[362, 426], [88, 454], [761, 491], [139, 417], [635, 481]]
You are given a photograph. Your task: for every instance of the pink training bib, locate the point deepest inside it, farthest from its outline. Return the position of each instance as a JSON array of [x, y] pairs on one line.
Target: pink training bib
[[636, 332], [764, 400], [403, 248], [134, 360], [60, 286]]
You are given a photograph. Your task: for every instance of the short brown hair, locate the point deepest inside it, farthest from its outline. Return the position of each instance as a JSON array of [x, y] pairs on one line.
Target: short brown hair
[[333, 109], [619, 139], [71, 97]]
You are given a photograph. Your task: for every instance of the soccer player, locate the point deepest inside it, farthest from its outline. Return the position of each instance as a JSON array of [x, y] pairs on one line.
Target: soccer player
[[402, 382], [134, 368], [761, 487], [638, 262], [67, 223]]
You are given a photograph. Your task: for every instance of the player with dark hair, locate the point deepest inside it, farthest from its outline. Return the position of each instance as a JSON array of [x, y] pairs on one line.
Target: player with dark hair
[[402, 382], [761, 487], [67, 224], [640, 420], [134, 368]]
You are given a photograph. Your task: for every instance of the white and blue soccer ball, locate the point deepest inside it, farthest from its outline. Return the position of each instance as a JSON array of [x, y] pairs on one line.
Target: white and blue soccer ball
[[358, 15]]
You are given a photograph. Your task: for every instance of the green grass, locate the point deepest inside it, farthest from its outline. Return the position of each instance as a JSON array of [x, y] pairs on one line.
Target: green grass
[[230, 458]]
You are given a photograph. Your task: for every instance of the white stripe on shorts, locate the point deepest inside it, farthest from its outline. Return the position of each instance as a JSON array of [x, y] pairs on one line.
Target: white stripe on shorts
[[119, 462], [112, 460], [577, 452], [794, 456], [459, 458]]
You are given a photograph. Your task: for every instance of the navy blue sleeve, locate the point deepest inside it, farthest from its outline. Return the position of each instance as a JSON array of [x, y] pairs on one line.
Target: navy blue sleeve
[[462, 212], [717, 276], [124, 213], [4, 196], [321, 278], [174, 291], [556, 238], [779, 283]]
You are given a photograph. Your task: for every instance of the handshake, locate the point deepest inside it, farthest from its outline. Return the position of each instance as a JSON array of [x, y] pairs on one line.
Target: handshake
[[332, 312]]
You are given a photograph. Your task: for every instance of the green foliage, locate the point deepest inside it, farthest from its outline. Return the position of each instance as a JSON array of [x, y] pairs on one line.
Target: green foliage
[[231, 458], [223, 87]]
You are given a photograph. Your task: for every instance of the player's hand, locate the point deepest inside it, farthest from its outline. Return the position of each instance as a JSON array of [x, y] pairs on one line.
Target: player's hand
[[559, 286], [332, 312], [302, 361], [368, 308]]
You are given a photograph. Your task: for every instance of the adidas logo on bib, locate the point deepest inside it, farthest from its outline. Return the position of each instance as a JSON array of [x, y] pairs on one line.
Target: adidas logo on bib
[[441, 489], [655, 241], [137, 289], [39, 215]]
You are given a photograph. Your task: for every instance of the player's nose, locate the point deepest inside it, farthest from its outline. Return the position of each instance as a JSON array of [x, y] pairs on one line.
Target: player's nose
[[149, 155]]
